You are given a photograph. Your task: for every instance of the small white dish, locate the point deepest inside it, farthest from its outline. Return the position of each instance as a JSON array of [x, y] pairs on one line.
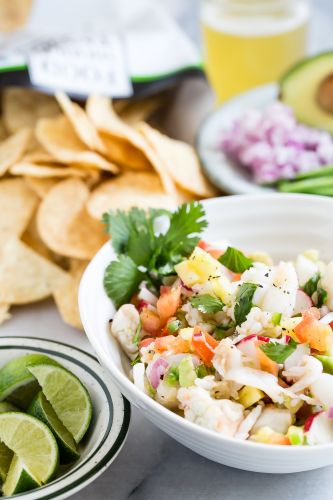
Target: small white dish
[[283, 225], [226, 174], [111, 414]]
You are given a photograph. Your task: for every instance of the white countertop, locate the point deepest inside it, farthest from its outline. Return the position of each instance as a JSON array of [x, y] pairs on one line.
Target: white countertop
[[152, 466]]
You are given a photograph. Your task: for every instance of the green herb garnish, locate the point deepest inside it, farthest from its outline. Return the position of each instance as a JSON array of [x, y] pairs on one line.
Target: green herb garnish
[[207, 304], [136, 360], [321, 296], [144, 255], [244, 301], [136, 337], [278, 352], [235, 260], [201, 371], [223, 331], [311, 285]]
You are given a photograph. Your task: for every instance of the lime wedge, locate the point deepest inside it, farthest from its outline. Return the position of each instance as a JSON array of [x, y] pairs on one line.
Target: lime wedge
[[6, 456], [32, 441], [41, 409], [17, 385], [4, 407], [68, 397], [18, 479]]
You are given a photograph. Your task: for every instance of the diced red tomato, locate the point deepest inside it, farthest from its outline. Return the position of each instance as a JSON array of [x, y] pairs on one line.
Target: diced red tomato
[[236, 277], [146, 342], [151, 322], [214, 252], [204, 345], [172, 343], [311, 331], [276, 438], [168, 302]]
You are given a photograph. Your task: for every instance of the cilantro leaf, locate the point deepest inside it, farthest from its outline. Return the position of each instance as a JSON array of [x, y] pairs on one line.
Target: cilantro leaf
[[322, 297], [278, 352], [311, 285], [244, 301], [207, 303], [122, 279], [224, 331], [186, 224], [118, 225], [235, 260]]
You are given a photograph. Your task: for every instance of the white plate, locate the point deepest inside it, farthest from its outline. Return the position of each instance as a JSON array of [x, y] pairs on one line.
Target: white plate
[[224, 173], [281, 224], [111, 414]]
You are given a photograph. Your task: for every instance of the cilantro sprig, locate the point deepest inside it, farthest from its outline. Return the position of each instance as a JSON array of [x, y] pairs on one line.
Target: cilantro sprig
[[235, 260], [311, 285], [144, 255], [278, 352], [244, 301], [207, 304]]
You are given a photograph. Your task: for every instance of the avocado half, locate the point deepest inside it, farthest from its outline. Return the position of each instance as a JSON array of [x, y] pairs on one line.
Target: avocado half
[[308, 89]]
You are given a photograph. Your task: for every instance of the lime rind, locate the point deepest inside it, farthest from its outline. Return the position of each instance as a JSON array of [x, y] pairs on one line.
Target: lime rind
[[18, 480], [68, 397], [17, 385], [42, 409], [33, 442]]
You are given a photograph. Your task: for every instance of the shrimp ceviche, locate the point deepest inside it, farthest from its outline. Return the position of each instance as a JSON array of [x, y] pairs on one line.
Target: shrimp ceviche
[[233, 342]]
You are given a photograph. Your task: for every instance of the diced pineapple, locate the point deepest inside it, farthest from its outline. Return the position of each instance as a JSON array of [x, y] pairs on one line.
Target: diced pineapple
[[222, 288], [186, 334], [288, 326], [262, 257], [198, 268], [311, 255], [248, 396]]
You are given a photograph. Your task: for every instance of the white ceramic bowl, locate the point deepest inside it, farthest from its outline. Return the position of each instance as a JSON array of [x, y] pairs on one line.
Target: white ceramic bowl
[[281, 224], [111, 414]]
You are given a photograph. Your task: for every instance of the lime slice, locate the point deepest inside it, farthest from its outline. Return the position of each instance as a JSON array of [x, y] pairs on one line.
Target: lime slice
[[32, 441], [16, 382], [4, 407], [6, 456], [41, 409], [18, 479], [68, 397]]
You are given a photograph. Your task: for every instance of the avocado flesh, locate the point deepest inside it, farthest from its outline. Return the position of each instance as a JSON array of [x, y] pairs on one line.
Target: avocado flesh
[[307, 88]]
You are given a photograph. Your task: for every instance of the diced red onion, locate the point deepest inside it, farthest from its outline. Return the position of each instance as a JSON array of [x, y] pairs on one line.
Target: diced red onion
[[158, 369], [330, 412]]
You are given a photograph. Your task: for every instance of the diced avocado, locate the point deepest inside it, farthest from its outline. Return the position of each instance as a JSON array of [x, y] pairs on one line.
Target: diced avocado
[[172, 377], [248, 396], [308, 89], [187, 373], [327, 362]]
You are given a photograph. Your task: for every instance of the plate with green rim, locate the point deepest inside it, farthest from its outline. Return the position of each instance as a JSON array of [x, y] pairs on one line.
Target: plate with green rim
[[226, 174], [110, 421]]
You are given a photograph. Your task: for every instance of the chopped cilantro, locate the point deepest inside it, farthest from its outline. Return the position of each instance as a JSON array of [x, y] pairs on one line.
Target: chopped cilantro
[[201, 371], [244, 301], [137, 246], [172, 377], [207, 303], [136, 360], [278, 352], [235, 260], [223, 331], [136, 337], [311, 285], [322, 297]]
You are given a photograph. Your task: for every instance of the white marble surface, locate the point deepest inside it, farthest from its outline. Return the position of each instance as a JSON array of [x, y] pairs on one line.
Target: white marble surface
[[151, 465]]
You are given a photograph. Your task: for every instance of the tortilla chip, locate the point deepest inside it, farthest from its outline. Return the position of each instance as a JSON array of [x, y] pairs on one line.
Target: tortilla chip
[[31, 238], [58, 137], [123, 153], [81, 123], [45, 171], [141, 189], [66, 296], [4, 313], [138, 111], [17, 205], [26, 276], [39, 155], [63, 223], [180, 161], [13, 148], [23, 107], [40, 186], [3, 131]]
